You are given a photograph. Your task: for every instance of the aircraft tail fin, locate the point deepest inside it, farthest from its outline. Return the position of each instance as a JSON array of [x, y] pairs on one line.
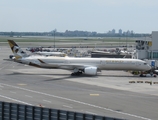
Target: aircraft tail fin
[[18, 52]]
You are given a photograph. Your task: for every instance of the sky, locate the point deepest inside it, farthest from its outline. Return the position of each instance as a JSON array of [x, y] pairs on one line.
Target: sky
[[141, 16]]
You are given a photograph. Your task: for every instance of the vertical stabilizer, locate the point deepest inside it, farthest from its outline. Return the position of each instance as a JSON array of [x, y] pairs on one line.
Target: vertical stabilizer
[[18, 52]]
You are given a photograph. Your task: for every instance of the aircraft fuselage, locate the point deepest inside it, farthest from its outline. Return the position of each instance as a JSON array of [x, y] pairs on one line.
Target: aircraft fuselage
[[81, 63]]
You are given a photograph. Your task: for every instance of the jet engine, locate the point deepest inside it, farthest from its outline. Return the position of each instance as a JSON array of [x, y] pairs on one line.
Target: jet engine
[[12, 57], [90, 70]]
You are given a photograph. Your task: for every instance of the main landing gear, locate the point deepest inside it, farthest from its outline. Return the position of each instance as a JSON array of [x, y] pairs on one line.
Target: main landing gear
[[76, 73]]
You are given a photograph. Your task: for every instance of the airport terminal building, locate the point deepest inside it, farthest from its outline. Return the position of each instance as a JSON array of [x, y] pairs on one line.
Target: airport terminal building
[[147, 49]]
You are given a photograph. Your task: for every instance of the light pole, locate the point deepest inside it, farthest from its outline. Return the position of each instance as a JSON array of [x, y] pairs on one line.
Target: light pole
[[54, 37], [126, 41], [119, 41]]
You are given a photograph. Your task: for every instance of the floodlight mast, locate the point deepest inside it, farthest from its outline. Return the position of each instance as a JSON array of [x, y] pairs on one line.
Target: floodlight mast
[[54, 37]]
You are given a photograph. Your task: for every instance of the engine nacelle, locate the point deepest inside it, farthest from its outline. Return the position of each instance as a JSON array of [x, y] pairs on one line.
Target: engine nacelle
[[90, 70], [12, 57]]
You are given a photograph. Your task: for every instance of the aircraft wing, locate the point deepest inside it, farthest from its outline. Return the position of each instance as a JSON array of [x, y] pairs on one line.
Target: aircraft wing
[[68, 66], [73, 66]]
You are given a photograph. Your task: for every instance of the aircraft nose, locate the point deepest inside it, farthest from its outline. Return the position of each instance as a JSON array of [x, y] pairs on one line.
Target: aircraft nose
[[148, 67]]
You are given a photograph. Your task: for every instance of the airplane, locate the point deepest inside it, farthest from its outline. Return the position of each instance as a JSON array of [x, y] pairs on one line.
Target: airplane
[[88, 66], [39, 51], [50, 53]]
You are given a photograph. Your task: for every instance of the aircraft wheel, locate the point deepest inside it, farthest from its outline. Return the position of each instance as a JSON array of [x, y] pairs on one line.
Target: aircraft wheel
[[72, 74], [154, 75], [80, 73], [76, 74]]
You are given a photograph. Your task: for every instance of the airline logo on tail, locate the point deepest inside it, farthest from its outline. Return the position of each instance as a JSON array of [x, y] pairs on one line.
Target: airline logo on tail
[[18, 52]]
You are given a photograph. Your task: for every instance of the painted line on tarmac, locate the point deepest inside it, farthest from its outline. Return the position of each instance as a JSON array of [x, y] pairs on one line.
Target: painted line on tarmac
[[21, 84], [83, 103], [94, 94], [15, 100], [67, 106], [12, 92], [90, 113], [29, 96], [47, 101]]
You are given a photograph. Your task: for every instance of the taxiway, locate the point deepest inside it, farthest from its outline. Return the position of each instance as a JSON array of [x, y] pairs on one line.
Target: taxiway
[[109, 93]]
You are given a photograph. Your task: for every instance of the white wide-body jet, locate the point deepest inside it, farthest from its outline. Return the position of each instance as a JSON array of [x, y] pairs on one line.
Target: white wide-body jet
[[89, 66]]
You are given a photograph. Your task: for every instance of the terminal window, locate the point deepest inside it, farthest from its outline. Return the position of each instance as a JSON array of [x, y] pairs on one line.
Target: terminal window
[[155, 54]]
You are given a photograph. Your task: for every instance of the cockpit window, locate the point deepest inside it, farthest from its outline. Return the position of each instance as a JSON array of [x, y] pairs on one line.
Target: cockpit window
[[145, 63]]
